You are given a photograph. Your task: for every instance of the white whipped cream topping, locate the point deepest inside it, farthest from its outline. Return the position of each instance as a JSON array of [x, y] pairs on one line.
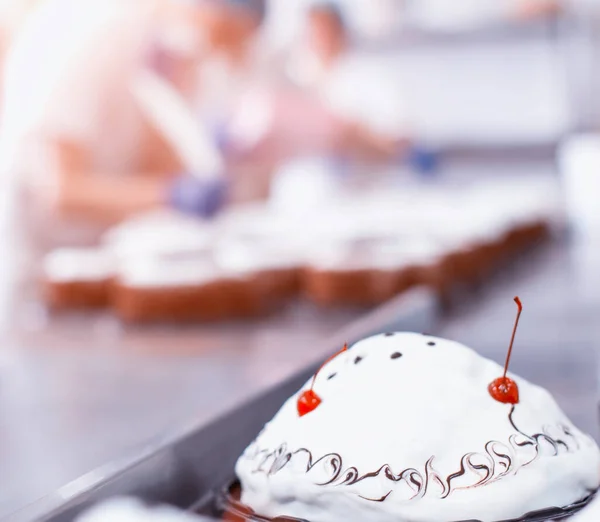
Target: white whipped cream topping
[[256, 256], [157, 234], [170, 273], [420, 251], [383, 254], [590, 514], [392, 433], [65, 265]]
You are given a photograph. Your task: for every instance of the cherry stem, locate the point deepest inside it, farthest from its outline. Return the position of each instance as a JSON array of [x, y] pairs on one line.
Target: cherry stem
[[512, 339], [327, 361]]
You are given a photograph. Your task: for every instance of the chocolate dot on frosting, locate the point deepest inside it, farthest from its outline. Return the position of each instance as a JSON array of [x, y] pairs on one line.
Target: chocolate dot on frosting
[[331, 376], [430, 343], [389, 334], [358, 359], [396, 355]]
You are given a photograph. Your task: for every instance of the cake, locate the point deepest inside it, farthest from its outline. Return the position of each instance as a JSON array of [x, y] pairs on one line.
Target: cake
[[368, 272], [183, 289], [426, 258], [274, 267], [349, 274], [342, 275], [405, 427], [77, 277], [591, 513]]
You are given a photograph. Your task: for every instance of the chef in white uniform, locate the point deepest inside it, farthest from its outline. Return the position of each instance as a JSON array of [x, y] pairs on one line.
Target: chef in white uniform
[[73, 130], [79, 146], [359, 89]]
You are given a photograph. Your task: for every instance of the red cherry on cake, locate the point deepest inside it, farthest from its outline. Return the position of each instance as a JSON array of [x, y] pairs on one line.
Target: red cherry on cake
[[504, 389], [309, 400]]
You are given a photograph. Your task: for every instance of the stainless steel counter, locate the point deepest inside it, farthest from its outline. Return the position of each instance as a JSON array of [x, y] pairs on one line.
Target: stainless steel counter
[[103, 393], [79, 391]]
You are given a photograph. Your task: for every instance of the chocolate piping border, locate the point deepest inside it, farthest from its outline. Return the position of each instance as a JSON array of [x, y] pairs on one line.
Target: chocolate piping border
[[491, 465]]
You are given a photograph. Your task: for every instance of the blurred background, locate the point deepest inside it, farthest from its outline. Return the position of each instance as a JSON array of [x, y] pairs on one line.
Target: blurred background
[[195, 195]]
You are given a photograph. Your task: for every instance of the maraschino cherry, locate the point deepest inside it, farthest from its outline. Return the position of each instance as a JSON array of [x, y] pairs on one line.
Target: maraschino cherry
[[504, 389], [309, 400]]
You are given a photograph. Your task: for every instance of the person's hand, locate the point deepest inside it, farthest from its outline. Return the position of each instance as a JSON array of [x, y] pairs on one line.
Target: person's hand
[[197, 196], [423, 160], [356, 139]]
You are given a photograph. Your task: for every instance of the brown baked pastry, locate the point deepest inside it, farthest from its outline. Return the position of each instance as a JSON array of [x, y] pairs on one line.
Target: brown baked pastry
[[77, 278], [183, 290], [372, 272], [342, 286], [275, 269]]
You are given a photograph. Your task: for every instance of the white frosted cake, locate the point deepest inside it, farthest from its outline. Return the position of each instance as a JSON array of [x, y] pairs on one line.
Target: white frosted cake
[[407, 431], [78, 264]]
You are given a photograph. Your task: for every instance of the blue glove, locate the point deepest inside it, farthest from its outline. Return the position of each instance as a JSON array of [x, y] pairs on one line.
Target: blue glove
[[199, 197], [422, 160]]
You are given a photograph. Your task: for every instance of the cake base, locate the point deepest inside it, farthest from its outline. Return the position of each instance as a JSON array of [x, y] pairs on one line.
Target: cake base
[[67, 295], [234, 511], [276, 285], [356, 287], [217, 300]]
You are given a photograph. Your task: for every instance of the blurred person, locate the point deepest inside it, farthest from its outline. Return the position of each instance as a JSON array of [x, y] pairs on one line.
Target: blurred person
[[73, 131], [362, 94]]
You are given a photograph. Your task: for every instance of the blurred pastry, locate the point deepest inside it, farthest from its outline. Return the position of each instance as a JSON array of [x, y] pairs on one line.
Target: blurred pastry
[[188, 289], [78, 278]]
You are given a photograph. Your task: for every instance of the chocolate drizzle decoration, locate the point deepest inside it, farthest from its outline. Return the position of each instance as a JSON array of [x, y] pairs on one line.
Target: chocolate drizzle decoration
[[495, 461]]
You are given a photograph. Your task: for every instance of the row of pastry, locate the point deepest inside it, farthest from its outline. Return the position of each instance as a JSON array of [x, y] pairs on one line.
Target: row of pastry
[[359, 251]]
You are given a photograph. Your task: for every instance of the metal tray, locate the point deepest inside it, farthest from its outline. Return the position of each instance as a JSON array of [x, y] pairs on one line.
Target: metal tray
[[188, 468]]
